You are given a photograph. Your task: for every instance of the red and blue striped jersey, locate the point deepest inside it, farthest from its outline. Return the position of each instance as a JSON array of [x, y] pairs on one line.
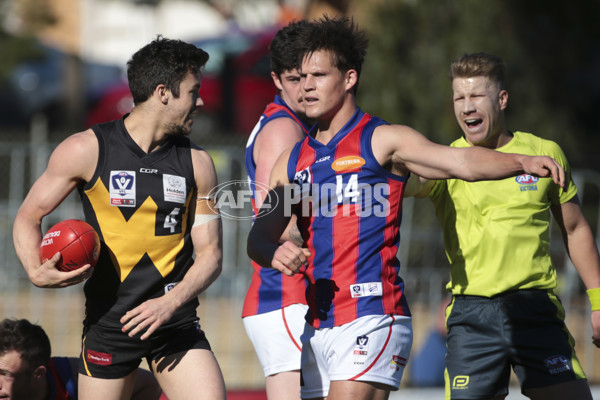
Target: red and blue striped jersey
[[349, 215], [62, 380], [270, 289]]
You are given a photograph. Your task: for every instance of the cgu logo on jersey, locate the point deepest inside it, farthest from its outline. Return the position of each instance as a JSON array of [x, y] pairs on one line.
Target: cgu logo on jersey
[[557, 364], [527, 182], [122, 188], [347, 163]]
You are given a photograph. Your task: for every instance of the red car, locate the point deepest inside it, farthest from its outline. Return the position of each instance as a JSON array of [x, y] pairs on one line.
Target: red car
[[236, 84]]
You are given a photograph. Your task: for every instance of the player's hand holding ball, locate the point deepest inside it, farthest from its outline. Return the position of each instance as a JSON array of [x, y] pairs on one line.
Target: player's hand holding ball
[[78, 246]]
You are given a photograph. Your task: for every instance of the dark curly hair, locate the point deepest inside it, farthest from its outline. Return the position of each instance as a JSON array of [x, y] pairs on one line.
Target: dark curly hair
[[162, 61], [340, 36], [26, 338]]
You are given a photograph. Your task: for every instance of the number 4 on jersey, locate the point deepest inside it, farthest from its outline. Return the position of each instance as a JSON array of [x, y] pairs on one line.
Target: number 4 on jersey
[[171, 220]]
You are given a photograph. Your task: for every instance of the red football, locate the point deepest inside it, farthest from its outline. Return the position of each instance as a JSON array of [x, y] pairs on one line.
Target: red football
[[77, 242]]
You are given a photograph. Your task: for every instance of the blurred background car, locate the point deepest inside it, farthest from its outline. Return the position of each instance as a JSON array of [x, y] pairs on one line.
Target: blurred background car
[[236, 85], [54, 84]]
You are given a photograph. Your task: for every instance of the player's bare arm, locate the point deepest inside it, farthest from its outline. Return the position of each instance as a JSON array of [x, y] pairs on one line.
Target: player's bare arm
[[72, 162], [207, 239], [403, 149], [582, 250], [275, 137], [269, 225]]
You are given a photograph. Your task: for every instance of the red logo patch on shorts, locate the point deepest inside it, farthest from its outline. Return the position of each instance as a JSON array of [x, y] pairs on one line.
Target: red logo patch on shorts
[[397, 362], [95, 357]]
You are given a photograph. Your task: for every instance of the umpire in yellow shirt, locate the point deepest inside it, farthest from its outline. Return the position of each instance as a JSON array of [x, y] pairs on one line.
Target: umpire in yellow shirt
[[504, 312]]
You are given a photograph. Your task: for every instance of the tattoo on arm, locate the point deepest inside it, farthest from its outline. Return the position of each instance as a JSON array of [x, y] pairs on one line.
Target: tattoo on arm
[[295, 235]]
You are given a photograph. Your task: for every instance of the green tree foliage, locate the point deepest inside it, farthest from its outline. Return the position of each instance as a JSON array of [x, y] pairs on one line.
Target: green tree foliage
[[551, 48]]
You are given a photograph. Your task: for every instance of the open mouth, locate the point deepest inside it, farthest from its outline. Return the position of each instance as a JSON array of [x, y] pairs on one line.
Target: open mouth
[[473, 122]]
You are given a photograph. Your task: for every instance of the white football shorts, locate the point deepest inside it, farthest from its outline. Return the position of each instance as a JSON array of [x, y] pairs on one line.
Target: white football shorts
[[373, 348], [276, 337]]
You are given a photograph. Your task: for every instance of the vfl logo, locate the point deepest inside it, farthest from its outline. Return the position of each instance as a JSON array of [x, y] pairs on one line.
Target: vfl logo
[[360, 349], [460, 382], [303, 180], [366, 289], [362, 340], [303, 177], [122, 188], [526, 179], [123, 182]]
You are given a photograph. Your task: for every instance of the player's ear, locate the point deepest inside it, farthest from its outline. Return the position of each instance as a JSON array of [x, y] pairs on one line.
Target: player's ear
[[276, 81], [503, 99], [39, 372], [161, 90], [351, 78]]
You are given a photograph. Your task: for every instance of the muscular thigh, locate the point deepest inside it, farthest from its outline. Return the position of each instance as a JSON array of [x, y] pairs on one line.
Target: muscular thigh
[[91, 388], [578, 389], [186, 368], [341, 390], [192, 374]]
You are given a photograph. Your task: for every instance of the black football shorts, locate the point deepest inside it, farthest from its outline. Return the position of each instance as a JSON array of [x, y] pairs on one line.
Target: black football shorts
[[522, 329], [109, 353]]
